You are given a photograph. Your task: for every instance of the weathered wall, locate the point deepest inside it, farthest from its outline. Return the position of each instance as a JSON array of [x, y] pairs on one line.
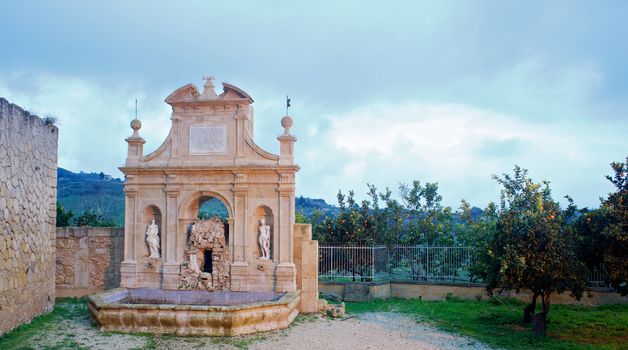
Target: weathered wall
[[28, 182], [88, 259], [306, 262], [433, 291]]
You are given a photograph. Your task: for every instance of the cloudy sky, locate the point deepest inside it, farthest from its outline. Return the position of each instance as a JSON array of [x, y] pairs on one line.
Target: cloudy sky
[[383, 92]]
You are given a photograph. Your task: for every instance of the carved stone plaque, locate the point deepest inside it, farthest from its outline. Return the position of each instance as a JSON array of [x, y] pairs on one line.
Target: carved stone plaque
[[208, 139]]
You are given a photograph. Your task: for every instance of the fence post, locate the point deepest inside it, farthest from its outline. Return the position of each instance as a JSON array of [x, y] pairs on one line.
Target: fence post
[[427, 255], [372, 264]]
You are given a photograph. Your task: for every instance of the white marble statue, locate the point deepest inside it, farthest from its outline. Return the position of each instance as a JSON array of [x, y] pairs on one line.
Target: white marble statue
[[152, 239], [264, 239]]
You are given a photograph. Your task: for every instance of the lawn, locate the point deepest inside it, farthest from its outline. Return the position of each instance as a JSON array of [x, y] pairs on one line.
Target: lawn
[[69, 326], [497, 322]]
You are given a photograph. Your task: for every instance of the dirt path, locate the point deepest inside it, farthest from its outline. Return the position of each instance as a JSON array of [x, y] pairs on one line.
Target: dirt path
[[368, 331], [382, 330]]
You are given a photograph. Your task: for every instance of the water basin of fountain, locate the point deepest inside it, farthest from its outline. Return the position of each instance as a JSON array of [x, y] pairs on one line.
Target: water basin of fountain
[[192, 313]]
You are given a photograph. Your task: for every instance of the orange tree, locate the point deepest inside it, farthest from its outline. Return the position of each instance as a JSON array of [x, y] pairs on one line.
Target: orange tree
[[532, 247], [603, 233], [476, 233]]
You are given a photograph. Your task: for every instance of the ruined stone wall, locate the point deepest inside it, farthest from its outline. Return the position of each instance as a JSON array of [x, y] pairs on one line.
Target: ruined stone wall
[[88, 259], [28, 191]]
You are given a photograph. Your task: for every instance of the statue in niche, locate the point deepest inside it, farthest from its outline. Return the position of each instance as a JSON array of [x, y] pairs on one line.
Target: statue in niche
[[152, 239], [264, 239]]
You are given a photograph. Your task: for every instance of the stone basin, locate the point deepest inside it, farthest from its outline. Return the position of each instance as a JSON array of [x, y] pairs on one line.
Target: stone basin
[[192, 313]]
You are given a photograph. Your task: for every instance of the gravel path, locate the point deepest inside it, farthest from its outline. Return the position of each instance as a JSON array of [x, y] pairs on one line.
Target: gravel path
[[382, 330]]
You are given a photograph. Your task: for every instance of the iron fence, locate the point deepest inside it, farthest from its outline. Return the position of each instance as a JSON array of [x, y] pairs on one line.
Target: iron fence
[[425, 263], [353, 263], [406, 263], [596, 277]]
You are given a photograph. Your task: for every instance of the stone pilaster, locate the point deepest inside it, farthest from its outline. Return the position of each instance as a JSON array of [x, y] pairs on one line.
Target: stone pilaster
[[241, 119], [286, 271], [128, 267], [171, 267], [239, 267]]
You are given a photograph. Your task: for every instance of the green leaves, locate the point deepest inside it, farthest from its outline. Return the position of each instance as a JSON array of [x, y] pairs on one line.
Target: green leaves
[[533, 246]]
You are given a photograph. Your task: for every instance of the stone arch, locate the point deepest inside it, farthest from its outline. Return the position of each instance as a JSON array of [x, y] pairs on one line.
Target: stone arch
[[188, 215], [266, 213], [190, 205], [152, 212]]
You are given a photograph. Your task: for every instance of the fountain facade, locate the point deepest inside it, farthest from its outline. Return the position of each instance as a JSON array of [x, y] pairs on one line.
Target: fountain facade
[[210, 153]]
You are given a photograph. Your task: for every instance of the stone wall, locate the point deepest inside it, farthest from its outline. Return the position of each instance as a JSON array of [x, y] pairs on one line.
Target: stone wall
[[88, 259], [28, 191], [306, 262]]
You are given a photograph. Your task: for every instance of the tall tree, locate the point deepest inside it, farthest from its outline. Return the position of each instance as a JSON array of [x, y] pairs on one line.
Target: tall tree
[[533, 247], [603, 233], [63, 216]]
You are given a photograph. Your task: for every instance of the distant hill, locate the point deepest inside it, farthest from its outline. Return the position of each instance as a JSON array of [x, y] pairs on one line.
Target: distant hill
[[307, 206], [81, 191]]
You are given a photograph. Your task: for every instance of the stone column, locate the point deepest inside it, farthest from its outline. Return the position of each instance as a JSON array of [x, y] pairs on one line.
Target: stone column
[[171, 268], [241, 119], [128, 267], [286, 271], [239, 267]]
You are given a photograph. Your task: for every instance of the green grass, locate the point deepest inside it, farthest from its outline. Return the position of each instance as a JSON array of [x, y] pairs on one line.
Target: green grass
[[75, 311], [66, 308], [497, 322]]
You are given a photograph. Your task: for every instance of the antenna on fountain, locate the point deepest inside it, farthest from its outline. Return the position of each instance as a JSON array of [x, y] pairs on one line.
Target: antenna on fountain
[[135, 108], [287, 104]]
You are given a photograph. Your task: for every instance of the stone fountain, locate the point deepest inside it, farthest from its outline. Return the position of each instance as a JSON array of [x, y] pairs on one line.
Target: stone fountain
[[251, 271]]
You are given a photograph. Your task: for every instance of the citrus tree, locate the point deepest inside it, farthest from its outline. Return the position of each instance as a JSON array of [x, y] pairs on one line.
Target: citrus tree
[[603, 233], [532, 247]]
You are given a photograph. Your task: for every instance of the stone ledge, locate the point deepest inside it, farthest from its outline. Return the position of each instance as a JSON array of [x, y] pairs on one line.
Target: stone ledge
[[191, 320]]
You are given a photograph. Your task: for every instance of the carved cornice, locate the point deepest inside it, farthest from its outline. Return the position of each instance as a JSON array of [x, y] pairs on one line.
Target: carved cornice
[[131, 193], [172, 192]]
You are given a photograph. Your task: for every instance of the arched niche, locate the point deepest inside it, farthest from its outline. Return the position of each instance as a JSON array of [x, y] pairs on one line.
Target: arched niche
[[189, 211], [264, 212], [151, 213], [189, 208]]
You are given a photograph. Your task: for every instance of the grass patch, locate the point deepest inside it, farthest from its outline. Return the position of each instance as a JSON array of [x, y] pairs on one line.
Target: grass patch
[[64, 308], [497, 322]]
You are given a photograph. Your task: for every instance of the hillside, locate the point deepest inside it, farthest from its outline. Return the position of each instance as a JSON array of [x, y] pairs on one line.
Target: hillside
[[80, 192]]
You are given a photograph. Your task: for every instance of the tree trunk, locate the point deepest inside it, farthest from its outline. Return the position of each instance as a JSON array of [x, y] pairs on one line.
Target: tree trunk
[[529, 310], [539, 324], [539, 321]]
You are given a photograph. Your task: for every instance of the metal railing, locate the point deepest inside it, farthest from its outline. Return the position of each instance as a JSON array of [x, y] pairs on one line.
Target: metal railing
[[353, 263], [596, 277], [425, 263], [406, 263]]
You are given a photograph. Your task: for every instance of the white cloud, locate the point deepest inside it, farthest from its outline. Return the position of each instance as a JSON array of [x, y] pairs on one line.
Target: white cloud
[[93, 119], [459, 146]]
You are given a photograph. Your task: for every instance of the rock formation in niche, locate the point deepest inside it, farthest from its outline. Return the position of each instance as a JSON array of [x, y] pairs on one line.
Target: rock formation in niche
[[206, 263]]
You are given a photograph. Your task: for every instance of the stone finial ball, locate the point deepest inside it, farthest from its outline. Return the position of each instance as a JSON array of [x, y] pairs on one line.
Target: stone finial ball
[[136, 124], [286, 122]]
